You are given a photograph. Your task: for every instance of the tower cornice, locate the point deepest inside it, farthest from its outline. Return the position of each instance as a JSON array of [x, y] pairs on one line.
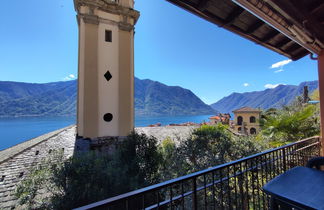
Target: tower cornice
[[110, 6]]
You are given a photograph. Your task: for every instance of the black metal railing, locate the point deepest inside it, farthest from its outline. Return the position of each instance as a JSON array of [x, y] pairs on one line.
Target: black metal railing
[[233, 185]]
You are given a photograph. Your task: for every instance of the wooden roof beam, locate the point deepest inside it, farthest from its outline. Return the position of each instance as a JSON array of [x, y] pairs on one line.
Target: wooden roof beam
[[317, 8], [270, 35], [256, 25], [277, 21], [300, 54], [233, 15], [283, 42], [292, 48], [301, 17], [203, 4]]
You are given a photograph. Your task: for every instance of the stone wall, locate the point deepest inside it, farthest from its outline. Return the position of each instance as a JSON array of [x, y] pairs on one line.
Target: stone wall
[[16, 161], [176, 133]]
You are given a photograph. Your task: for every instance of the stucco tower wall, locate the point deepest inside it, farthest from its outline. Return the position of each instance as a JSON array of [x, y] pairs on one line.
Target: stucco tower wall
[[106, 68], [108, 58], [87, 79], [126, 86]]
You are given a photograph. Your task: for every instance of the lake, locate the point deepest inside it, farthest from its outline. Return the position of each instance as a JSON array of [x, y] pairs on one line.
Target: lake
[[16, 130]]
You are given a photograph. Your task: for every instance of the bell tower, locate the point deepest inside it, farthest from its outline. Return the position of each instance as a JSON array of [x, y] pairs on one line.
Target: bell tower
[[106, 67]]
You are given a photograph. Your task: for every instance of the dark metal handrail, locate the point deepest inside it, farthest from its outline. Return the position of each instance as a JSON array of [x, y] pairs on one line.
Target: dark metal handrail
[[245, 170]]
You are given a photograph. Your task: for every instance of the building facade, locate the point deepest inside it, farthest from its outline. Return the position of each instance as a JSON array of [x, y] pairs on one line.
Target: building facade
[[246, 120]]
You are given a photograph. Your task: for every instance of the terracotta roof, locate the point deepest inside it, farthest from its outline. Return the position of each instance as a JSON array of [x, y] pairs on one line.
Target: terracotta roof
[[215, 117], [247, 109]]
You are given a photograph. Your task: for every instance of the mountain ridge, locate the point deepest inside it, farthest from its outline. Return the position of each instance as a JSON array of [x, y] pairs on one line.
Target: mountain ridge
[[152, 98], [271, 97], [166, 102]]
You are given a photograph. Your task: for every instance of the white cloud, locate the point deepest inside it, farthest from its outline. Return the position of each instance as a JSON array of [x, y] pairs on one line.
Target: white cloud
[[271, 86], [280, 64], [246, 84], [280, 70], [70, 77], [66, 79]]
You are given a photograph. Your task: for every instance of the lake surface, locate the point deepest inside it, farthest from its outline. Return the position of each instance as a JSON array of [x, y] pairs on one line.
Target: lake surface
[[166, 120], [16, 130]]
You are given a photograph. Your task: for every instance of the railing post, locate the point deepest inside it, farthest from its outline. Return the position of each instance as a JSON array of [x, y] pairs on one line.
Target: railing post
[[194, 194], [284, 159], [320, 146], [320, 61]]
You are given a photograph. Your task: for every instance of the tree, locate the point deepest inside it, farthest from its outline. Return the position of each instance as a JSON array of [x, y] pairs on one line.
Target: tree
[[59, 183], [291, 123], [213, 145]]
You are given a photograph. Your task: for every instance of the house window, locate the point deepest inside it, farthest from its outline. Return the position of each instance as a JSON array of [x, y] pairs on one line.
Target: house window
[[252, 131], [108, 36], [239, 120], [252, 119]]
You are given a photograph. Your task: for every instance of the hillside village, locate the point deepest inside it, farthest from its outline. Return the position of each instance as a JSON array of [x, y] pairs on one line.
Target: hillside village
[[246, 120], [267, 155]]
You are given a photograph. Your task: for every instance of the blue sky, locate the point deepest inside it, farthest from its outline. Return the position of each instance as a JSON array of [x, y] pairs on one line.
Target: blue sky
[[39, 43]]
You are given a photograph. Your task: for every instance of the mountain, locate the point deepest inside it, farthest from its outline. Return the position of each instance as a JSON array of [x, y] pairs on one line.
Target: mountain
[[276, 97], [27, 99], [154, 98], [59, 99]]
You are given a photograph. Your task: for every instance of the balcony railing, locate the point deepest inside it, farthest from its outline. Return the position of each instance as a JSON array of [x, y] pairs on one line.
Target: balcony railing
[[233, 185]]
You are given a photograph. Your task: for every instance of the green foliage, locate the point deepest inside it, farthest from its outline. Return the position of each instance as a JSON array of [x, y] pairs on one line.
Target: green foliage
[[60, 183], [89, 177], [139, 159], [170, 161], [291, 123], [37, 191], [213, 145]]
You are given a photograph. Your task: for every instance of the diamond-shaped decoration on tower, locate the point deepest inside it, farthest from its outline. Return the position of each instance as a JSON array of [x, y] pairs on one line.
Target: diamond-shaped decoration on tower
[[108, 76]]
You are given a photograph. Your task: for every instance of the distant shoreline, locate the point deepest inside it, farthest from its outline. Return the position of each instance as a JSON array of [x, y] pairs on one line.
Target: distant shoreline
[[17, 116]]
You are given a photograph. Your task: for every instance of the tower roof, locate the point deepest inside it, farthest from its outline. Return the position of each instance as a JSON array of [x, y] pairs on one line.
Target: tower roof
[[247, 109]]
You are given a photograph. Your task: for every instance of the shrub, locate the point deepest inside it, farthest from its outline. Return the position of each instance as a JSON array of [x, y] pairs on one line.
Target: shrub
[[213, 145], [88, 177]]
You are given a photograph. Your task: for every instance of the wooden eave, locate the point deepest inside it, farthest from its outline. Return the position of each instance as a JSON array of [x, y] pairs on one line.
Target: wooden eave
[[293, 28]]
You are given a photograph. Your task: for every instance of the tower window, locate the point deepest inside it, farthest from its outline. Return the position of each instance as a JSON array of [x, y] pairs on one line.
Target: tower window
[[108, 36]]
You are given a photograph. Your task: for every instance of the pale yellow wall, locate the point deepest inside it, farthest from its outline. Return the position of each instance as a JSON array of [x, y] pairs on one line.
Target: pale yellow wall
[[127, 3], [246, 121], [96, 95], [107, 17], [213, 121], [108, 55], [90, 81], [80, 100], [126, 85]]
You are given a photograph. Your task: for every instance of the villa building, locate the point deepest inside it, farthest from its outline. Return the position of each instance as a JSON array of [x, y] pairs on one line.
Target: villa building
[[221, 118], [246, 120]]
